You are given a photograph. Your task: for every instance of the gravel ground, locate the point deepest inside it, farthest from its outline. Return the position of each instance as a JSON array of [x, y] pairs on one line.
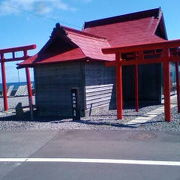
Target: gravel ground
[[10, 122], [158, 122]]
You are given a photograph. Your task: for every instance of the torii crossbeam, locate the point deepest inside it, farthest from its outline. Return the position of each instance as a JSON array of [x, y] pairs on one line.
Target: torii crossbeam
[[23, 50], [162, 52]]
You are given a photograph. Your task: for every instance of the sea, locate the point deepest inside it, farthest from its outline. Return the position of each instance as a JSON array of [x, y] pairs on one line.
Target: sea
[[16, 85]]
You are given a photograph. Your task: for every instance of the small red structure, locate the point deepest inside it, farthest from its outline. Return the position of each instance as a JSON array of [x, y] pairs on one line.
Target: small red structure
[[3, 60], [162, 52]]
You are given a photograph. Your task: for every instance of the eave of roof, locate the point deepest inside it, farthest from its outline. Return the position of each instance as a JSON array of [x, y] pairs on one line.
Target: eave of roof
[[74, 54]]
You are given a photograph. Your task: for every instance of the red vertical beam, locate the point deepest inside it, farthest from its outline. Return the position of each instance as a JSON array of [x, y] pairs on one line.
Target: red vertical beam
[[4, 86], [136, 88], [29, 90], [119, 94], [178, 86], [166, 77]]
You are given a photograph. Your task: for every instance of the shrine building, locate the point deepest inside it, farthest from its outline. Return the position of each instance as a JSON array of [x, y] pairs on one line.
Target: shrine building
[[73, 60]]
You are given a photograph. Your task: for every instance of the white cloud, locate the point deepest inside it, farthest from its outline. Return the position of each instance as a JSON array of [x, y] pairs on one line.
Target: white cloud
[[41, 7]]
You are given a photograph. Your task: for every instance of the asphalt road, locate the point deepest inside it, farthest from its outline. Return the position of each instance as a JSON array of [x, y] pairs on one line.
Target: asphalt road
[[88, 144]]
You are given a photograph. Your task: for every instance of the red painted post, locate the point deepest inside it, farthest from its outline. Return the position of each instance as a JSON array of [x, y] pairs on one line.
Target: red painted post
[[29, 91], [136, 81], [178, 86], [167, 105], [119, 94], [4, 86]]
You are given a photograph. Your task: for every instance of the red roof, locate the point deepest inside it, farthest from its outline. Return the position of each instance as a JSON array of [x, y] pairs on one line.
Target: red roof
[[67, 44], [85, 46], [131, 29], [70, 55], [90, 45]]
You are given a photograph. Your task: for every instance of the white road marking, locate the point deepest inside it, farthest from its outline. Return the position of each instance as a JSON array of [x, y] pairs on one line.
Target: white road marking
[[102, 161]]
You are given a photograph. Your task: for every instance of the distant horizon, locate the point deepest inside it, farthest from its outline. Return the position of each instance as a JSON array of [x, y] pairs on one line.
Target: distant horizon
[[16, 84]]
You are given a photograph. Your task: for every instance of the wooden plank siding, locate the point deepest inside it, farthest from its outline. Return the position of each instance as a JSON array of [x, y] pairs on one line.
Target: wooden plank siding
[[99, 87], [97, 95]]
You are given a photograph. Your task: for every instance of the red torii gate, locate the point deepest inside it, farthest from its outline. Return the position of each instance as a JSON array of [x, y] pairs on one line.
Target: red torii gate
[[24, 51], [162, 52]]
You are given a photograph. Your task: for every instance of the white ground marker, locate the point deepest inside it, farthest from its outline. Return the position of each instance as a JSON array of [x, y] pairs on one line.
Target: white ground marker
[[97, 161]]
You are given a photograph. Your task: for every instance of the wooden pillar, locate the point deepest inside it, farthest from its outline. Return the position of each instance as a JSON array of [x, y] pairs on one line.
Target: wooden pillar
[[136, 81], [119, 93], [178, 86], [4, 86], [166, 77], [29, 91]]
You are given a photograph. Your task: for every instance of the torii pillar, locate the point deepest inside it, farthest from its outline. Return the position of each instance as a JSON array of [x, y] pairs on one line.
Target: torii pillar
[[4, 86], [119, 89], [178, 86]]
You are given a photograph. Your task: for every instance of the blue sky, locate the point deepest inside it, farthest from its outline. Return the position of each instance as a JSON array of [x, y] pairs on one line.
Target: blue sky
[[25, 22]]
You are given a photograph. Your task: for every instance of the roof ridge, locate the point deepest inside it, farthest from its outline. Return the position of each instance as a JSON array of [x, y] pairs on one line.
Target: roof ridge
[[83, 33], [124, 18]]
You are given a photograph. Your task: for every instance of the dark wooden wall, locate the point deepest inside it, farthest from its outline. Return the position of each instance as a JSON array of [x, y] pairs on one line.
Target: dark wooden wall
[[150, 84], [53, 85], [96, 84]]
